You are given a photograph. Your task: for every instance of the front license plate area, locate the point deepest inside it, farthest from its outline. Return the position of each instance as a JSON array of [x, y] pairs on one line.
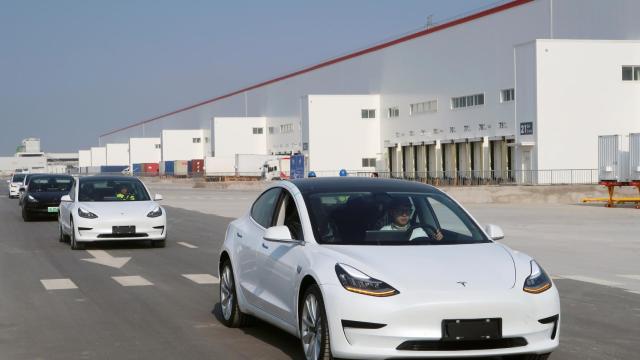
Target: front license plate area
[[52, 209], [124, 230], [472, 329]]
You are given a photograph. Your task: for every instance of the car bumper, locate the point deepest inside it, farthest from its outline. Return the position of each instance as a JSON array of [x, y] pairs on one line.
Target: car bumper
[[93, 230], [415, 320], [40, 208], [14, 192]]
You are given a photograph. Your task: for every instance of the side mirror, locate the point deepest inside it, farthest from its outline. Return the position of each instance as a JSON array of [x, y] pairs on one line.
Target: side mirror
[[157, 197], [65, 198], [494, 231], [279, 234]]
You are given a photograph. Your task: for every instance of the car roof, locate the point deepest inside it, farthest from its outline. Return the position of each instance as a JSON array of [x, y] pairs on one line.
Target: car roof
[[109, 178], [35, 176], [360, 184]]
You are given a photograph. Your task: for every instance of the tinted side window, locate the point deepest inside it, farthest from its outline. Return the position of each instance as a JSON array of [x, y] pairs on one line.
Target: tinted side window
[[72, 192], [262, 209]]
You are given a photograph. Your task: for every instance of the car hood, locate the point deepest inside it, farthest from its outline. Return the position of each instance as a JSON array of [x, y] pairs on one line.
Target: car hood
[[116, 209], [48, 196], [483, 267]]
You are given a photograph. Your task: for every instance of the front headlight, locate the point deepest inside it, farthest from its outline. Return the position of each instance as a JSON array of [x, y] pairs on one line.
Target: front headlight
[[538, 282], [157, 211], [86, 214], [31, 199], [358, 282]]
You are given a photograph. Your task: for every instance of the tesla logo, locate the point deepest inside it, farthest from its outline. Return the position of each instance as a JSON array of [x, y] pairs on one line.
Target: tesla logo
[[463, 283]]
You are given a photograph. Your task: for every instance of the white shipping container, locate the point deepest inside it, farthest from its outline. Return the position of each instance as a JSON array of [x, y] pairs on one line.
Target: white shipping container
[[98, 156], [220, 166], [252, 164], [634, 157], [180, 167], [613, 158], [117, 154], [84, 158]]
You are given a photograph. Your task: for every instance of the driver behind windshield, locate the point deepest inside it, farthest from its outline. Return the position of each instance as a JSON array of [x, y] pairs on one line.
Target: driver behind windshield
[[124, 194], [400, 213]]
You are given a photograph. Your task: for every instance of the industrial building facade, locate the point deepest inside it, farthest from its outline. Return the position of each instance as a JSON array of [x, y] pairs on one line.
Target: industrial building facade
[[524, 86]]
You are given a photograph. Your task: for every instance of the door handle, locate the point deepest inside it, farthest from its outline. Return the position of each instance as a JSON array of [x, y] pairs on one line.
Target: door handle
[[265, 246], [238, 235]]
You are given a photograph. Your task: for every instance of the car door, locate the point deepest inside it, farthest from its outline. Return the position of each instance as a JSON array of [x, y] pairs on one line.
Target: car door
[[279, 264], [66, 207], [248, 236]]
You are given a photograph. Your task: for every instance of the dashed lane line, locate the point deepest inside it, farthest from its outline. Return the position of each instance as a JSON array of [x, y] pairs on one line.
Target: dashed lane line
[[58, 284], [629, 276], [592, 280], [132, 280], [202, 278], [186, 244]]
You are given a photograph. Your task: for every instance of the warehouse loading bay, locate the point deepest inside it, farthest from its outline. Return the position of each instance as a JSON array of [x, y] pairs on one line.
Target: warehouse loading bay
[[163, 303]]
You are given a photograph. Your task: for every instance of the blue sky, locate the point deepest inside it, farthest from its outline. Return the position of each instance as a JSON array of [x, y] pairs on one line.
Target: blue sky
[[73, 69]]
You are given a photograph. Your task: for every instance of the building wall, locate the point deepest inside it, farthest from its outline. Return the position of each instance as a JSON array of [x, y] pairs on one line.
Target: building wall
[[338, 136], [180, 144], [8, 164], [144, 151], [98, 156], [84, 158], [117, 154], [235, 135], [581, 95]]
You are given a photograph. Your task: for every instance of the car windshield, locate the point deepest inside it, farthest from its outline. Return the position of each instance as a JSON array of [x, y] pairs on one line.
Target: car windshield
[[384, 218], [101, 190], [17, 178], [50, 184]]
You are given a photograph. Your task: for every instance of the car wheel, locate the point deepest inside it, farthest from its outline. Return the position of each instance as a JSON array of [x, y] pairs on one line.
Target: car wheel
[[158, 243], [314, 331], [75, 245], [25, 215], [61, 236], [231, 314]]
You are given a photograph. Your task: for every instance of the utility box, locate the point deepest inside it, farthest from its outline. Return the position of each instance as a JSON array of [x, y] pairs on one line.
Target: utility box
[[634, 157], [613, 158]]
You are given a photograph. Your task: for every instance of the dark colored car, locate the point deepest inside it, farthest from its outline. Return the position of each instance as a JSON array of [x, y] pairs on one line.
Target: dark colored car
[[42, 195]]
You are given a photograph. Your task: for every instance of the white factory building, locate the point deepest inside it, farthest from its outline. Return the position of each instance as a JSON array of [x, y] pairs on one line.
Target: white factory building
[[29, 157], [526, 85]]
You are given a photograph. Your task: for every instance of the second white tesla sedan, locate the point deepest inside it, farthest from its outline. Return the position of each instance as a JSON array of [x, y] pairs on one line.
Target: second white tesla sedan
[[107, 208], [364, 268]]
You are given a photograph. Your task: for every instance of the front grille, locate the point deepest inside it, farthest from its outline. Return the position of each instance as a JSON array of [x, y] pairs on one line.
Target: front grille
[[451, 345], [117, 236]]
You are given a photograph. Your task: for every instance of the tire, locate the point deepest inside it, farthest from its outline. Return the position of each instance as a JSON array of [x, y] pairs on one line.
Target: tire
[[232, 316], [158, 243], [25, 215], [75, 245], [313, 326], [61, 236]]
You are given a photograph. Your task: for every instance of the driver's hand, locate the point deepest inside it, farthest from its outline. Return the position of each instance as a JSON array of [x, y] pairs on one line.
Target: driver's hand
[[439, 235]]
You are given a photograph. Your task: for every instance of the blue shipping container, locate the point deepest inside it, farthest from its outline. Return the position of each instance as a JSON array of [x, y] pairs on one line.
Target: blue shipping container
[[112, 169], [137, 168], [190, 167], [168, 167]]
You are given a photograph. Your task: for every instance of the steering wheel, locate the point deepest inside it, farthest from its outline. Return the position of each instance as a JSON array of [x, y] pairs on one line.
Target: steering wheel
[[430, 230]]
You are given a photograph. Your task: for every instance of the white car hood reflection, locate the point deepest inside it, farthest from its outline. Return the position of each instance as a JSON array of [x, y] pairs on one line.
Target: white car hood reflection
[[119, 209]]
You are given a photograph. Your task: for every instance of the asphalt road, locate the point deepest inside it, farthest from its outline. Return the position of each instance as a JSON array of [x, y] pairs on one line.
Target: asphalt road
[[165, 315]]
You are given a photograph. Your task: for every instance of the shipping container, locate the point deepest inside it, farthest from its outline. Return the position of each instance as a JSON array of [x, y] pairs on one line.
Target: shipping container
[[166, 168], [136, 169], [613, 158], [196, 166], [151, 169], [93, 170], [252, 164], [220, 166], [181, 167], [634, 157], [112, 169]]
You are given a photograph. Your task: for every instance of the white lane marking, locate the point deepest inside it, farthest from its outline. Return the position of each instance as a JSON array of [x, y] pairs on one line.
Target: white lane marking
[[634, 292], [555, 277], [186, 244], [58, 284], [103, 258], [202, 278], [132, 280], [629, 276], [592, 280]]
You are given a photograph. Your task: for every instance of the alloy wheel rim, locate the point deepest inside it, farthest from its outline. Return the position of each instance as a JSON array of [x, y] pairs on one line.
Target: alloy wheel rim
[[311, 328], [226, 293]]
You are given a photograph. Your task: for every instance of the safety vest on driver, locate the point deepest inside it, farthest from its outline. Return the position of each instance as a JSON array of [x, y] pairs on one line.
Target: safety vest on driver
[[121, 196]]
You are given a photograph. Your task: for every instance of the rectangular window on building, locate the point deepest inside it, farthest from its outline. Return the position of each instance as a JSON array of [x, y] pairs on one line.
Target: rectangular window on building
[[369, 162], [423, 107], [257, 131], [467, 101], [286, 128], [158, 146], [507, 95], [271, 130], [627, 73], [393, 112], [197, 140], [368, 114]]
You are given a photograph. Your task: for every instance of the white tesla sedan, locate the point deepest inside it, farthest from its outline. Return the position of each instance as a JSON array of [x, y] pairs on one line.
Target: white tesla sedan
[[363, 268], [107, 208]]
